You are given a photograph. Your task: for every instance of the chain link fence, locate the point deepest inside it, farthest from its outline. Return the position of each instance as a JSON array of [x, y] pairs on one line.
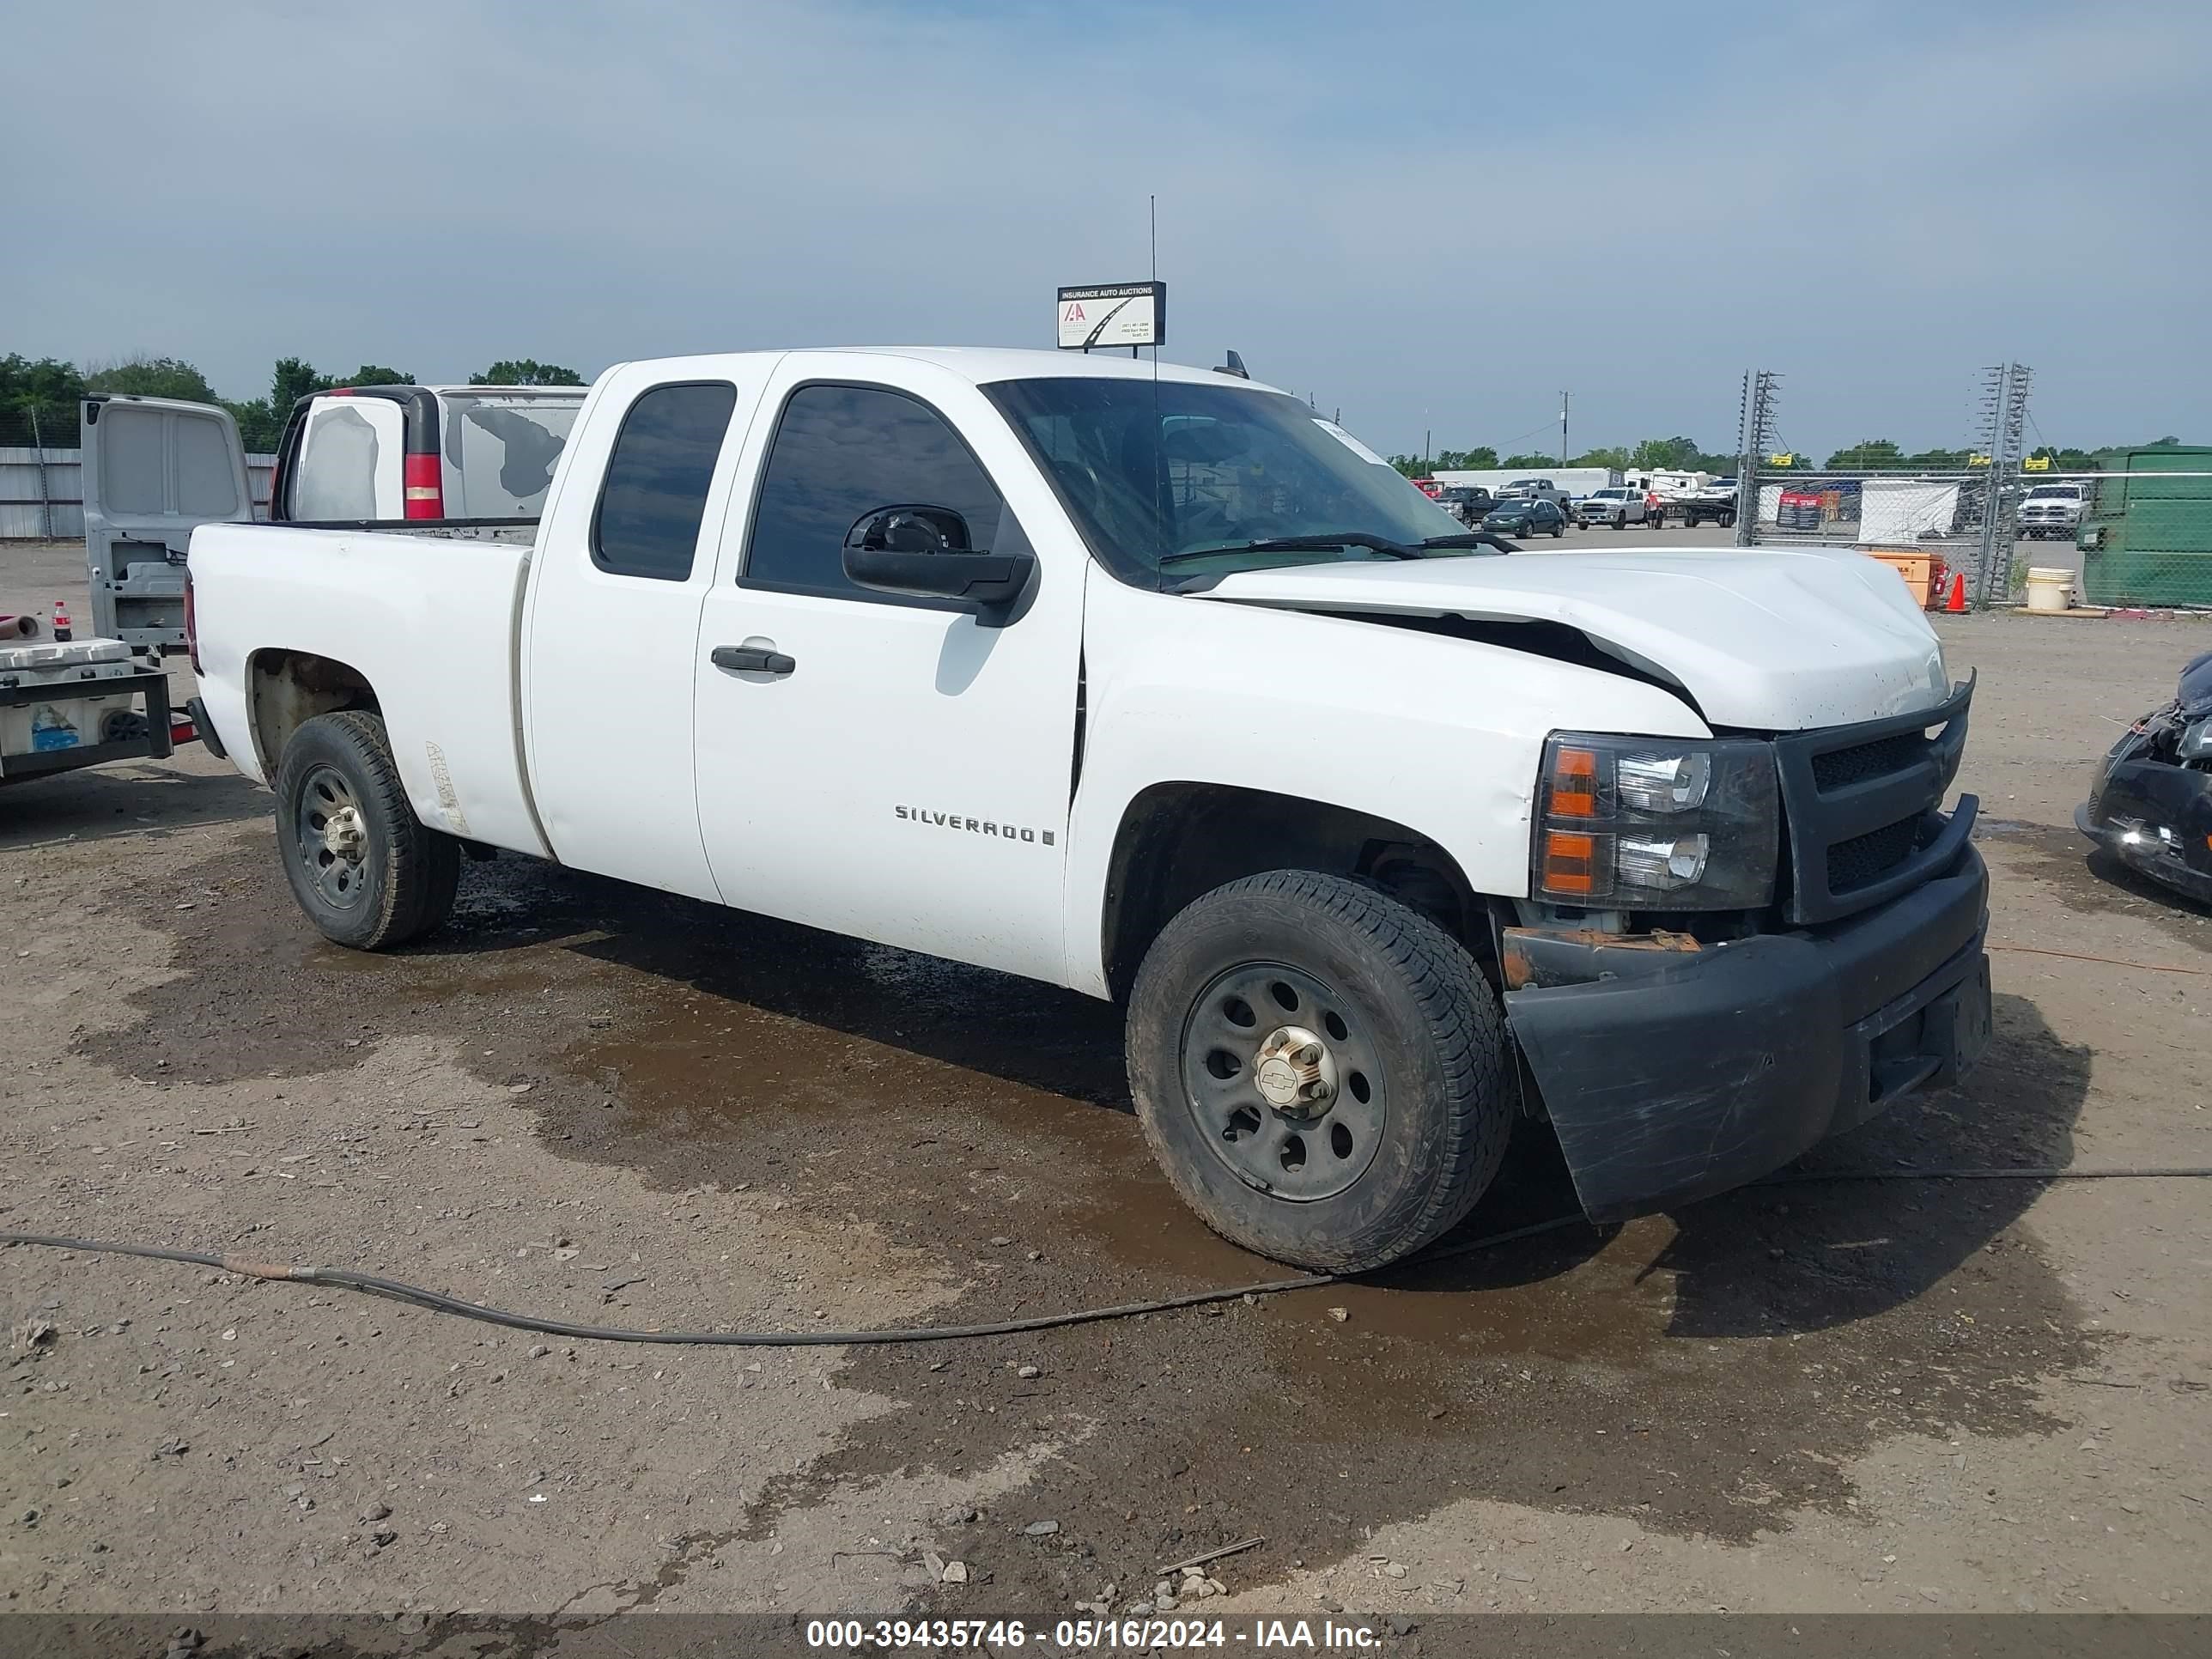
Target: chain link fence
[[2133, 527]]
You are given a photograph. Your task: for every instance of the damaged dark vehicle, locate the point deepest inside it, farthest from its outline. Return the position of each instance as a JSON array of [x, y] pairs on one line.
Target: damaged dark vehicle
[[2150, 800]]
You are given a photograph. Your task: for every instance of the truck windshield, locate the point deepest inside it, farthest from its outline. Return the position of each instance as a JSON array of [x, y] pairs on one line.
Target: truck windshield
[[1188, 476]]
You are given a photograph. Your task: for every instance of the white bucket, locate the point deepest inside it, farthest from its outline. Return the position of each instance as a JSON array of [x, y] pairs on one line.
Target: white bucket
[[2049, 589]]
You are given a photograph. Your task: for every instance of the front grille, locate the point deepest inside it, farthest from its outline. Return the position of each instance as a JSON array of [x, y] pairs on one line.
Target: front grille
[[1868, 759], [1867, 858], [1864, 807]]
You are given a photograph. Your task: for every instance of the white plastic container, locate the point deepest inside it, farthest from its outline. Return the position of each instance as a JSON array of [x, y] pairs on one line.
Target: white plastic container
[[71, 712], [2050, 588]]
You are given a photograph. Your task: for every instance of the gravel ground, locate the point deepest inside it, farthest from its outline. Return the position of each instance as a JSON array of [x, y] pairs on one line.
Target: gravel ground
[[610, 1106]]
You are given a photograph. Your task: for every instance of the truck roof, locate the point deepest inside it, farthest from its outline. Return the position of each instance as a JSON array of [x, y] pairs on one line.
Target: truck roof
[[983, 365], [573, 392]]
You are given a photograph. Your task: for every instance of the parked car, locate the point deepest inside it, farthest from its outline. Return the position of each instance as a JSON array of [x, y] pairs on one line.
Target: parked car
[[875, 641], [2150, 797], [1618, 508], [1713, 504], [2052, 510], [1526, 516], [1466, 502]]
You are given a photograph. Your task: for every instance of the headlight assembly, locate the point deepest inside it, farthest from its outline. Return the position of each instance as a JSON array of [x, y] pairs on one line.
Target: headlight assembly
[[1656, 824]]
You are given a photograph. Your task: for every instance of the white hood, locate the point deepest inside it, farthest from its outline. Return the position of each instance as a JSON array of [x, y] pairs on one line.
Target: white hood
[[1773, 639]]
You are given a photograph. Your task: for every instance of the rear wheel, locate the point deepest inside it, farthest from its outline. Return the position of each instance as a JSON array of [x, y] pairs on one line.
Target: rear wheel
[[1319, 1070], [367, 870]]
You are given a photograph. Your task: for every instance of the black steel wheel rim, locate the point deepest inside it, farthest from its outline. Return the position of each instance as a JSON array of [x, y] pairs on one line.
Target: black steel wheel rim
[[1305, 1150]]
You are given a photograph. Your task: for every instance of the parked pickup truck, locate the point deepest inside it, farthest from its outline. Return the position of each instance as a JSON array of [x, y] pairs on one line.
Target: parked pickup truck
[[2052, 510], [1617, 508], [1166, 691]]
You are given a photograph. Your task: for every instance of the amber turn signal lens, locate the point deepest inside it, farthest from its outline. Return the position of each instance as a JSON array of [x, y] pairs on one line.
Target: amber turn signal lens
[[1574, 783], [1570, 863]]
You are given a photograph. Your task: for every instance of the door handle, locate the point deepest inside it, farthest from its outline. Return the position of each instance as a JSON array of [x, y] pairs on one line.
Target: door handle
[[751, 660]]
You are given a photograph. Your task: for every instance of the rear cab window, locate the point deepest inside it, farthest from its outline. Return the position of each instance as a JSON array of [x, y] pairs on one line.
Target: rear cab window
[[654, 494]]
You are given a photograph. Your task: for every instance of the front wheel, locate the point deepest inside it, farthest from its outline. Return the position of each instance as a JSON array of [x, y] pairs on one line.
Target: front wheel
[[1319, 1070], [1558, 529], [367, 872]]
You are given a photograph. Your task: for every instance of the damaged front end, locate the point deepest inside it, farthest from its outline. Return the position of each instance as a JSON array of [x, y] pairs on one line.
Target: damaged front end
[[1679, 1057], [2150, 799]]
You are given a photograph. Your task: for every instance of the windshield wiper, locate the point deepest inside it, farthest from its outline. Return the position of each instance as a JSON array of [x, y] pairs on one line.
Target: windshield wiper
[[1471, 538], [1300, 545]]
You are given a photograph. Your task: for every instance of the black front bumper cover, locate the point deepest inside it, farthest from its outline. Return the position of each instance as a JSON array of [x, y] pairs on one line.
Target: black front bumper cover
[[1678, 1074]]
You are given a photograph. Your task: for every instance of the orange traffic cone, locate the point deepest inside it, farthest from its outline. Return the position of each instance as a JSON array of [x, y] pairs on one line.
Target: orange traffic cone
[[1956, 604], [61, 619]]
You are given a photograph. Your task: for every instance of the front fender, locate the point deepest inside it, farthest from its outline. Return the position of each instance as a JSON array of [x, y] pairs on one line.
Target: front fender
[[1442, 735]]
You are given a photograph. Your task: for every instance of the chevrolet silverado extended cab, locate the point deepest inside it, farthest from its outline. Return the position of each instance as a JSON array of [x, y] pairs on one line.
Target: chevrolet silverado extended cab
[[1148, 684]]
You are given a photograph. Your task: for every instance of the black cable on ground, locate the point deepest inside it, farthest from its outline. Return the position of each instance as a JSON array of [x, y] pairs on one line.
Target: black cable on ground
[[438, 1302]]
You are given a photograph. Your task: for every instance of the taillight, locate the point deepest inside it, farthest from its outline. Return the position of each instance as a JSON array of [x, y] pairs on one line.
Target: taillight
[[191, 623], [423, 486]]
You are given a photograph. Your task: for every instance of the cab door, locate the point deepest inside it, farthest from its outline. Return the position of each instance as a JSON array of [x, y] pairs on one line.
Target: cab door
[[625, 556], [153, 469], [876, 764]]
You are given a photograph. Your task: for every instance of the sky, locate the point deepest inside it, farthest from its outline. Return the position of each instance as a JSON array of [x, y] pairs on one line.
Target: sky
[[1433, 218]]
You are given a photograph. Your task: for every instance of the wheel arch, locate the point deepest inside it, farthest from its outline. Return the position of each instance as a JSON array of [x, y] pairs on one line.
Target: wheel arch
[[1176, 840], [285, 688]]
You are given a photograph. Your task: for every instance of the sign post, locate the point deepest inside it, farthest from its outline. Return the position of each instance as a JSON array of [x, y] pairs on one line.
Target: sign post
[[1129, 314]]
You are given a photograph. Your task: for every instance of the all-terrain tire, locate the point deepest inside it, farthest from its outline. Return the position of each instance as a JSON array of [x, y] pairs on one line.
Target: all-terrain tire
[[1388, 988], [403, 884]]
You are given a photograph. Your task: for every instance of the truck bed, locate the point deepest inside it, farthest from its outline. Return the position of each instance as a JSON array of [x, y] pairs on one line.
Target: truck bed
[[427, 618]]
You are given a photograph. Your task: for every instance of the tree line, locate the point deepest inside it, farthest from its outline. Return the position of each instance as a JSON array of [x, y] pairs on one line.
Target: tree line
[[1879, 454], [50, 390], [1684, 455], [1676, 454]]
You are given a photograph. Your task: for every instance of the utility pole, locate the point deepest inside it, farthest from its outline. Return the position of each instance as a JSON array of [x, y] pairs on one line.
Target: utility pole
[[1563, 429]]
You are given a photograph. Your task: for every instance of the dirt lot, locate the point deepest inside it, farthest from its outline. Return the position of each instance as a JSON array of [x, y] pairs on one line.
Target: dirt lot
[[596, 1103]]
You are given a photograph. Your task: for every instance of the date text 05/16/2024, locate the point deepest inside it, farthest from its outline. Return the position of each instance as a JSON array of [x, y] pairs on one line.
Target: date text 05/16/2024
[[1089, 1635]]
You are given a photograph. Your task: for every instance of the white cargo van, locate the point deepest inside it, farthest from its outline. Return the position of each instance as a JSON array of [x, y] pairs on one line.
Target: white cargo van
[[359, 454]]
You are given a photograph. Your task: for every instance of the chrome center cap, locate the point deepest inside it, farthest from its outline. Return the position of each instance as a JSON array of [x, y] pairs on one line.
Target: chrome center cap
[[344, 835], [1295, 1073]]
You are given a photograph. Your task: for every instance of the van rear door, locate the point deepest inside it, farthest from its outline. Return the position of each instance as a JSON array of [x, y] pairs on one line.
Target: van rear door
[[349, 462], [154, 469]]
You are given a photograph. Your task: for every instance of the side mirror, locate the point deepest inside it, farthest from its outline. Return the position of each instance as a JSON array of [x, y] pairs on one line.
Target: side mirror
[[924, 551], [913, 527]]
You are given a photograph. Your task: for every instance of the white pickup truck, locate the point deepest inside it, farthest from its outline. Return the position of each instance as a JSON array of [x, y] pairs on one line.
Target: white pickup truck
[[1617, 507], [1150, 685]]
